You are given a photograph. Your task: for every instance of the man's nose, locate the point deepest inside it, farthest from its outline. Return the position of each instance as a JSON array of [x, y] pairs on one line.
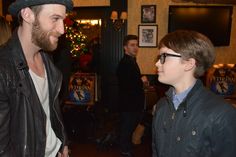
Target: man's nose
[[60, 27]]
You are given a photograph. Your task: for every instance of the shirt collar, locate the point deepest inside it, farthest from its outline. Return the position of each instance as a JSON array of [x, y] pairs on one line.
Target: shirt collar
[[178, 98]]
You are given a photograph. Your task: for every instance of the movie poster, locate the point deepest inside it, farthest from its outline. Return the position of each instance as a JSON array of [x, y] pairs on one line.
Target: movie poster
[[82, 88], [222, 80]]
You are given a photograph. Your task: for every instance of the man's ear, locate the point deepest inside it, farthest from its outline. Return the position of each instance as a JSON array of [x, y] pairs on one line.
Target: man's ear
[[190, 64], [125, 47], [27, 15]]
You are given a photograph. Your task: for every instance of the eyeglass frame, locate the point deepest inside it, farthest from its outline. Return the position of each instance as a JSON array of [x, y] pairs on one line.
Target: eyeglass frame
[[162, 57]]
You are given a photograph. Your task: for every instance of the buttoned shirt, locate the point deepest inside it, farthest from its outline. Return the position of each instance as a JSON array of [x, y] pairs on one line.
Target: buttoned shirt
[[178, 98]]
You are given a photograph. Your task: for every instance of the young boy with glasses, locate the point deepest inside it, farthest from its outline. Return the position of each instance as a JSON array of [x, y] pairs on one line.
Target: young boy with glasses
[[190, 121]]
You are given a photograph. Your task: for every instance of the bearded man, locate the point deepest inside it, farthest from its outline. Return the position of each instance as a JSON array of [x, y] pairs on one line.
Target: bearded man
[[30, 118]]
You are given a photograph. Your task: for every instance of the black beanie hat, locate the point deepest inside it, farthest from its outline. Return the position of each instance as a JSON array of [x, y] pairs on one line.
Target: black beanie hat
[[16, 6]]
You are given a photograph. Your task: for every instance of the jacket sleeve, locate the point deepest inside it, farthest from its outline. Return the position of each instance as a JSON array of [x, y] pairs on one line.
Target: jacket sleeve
[[154, 138], [4, 118], [224, 134]]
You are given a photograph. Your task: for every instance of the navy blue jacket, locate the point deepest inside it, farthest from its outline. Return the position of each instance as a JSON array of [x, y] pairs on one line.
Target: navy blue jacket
[[204, 125]]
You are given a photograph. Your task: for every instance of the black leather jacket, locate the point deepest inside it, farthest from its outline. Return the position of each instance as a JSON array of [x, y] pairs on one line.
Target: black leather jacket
[[203, 126], [22, 118]]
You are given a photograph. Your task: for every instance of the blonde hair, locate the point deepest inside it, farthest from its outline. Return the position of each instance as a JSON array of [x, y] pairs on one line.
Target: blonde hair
[[5, 30]]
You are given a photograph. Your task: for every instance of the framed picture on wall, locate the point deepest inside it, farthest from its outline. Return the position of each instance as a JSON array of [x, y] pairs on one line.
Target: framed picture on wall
[[147, 35], [148, 14]]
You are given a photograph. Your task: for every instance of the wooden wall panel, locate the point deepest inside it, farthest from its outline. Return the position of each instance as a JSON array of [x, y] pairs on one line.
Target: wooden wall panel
[[110, 55], [86, 3], [0, 7], [208, 1]]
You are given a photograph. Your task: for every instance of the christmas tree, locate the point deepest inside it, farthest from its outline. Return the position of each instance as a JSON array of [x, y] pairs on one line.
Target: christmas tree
[[77, 40]]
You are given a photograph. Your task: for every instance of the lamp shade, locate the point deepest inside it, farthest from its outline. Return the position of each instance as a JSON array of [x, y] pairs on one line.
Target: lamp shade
[[114, 15], [9, 18], [123, 15]]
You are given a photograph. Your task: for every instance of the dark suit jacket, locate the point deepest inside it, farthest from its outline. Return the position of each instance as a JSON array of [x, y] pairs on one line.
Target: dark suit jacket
[[131, 93]]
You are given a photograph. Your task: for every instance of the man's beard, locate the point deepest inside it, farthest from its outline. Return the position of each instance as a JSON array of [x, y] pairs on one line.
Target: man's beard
[[41, 37]]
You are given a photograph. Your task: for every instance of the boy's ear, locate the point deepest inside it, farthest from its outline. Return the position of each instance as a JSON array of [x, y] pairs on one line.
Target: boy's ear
[[190, 64]]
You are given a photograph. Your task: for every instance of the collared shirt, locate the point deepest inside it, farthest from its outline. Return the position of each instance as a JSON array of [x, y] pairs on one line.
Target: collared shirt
[[178, 98]]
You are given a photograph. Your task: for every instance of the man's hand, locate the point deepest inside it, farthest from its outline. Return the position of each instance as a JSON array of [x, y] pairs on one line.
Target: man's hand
[[65, 152], [145, 81]]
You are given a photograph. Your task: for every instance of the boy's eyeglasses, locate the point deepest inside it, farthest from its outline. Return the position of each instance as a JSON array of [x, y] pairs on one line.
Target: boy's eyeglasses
[[162, 57]]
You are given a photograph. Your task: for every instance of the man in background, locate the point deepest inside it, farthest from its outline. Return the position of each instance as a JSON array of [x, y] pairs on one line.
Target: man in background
[[131, 93]]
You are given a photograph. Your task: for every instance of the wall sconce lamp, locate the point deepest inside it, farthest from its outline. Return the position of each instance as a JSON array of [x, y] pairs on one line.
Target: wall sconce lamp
[[9, 18], [118, 22]]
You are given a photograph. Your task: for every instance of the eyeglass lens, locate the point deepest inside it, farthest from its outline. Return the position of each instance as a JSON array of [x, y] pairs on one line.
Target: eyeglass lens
[[163, 56]]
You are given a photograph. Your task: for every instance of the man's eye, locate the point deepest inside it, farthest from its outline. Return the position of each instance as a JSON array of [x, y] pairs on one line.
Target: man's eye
[[55, 19]]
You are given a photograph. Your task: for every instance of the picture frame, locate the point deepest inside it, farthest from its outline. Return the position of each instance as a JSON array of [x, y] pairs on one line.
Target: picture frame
[[148, 14], [147, 35], [82, 89]]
